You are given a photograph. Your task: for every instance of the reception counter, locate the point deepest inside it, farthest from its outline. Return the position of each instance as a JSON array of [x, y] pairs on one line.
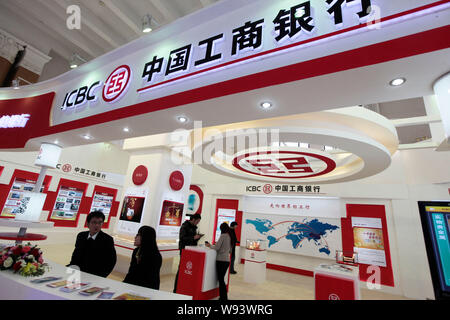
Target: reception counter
[[16, 287]]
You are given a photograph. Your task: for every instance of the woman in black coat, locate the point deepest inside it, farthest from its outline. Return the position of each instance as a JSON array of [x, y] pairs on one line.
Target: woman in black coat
[[146, 260]]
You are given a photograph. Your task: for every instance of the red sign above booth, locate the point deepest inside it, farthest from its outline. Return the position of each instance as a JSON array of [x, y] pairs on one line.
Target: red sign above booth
[[176, 180], [284, 164], [140, 175]]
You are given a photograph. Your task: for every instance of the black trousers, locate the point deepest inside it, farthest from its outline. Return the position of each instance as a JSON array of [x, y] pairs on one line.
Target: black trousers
[[222, 267], [233, 256]]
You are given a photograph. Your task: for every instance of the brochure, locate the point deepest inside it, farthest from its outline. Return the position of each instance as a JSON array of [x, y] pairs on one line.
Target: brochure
[[71, 287], [57, 284], [106, 295], [92, 291], [129, 296], [46, 279]]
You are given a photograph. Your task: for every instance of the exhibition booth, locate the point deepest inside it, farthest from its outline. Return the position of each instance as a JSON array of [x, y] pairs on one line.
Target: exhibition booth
[[252, 120]]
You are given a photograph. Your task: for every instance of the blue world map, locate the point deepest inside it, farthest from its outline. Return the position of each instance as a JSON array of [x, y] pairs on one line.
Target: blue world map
[[297, 232]]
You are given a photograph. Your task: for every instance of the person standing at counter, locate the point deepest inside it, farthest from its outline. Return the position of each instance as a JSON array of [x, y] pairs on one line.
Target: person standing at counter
[[223, 248], [234, 241], [188, 237], [94, 250], [146, 260]]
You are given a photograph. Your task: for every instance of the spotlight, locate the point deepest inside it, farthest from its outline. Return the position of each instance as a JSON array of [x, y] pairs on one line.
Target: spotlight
[[266, 105], [75, 61], [182, 119], [147, 23], [397, 82]]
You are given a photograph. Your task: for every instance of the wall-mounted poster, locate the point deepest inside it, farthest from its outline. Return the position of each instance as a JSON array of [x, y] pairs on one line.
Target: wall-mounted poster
[[170, 219], [102, 202], [223, 215], [13, 201], [132, 211], [67, 203], [171, 213], [309, 236], [368, 241]]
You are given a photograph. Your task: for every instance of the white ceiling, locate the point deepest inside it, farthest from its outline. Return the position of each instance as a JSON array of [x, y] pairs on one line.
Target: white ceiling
[[105, 24], [108, 24]]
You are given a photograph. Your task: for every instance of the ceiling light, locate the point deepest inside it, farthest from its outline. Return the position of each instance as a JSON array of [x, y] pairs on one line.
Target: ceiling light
[[126, 130], [15, 84], [397, 82], [266, 105], [182, 119], [87, 137], [75, 61], [147, 23]]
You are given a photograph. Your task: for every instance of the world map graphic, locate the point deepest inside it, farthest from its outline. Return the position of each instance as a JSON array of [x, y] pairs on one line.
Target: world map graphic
[[296, 233]]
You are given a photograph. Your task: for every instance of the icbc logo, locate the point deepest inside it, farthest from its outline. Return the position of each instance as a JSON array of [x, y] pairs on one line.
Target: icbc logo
[[66, 168], [284, 164], [117, 83], [267, 188], [115, 86]]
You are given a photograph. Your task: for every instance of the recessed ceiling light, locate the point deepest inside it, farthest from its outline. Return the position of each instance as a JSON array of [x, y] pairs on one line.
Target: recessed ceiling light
[[87, 137], [126, 129], [182, 119], [397, 82], [56, 142], [266, 105]]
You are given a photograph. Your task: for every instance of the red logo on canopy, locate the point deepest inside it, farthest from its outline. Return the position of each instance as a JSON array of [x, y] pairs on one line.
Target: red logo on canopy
[[283, 164]]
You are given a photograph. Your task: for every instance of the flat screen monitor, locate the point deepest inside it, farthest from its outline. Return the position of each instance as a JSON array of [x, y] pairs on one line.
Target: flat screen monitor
[[435, 218]]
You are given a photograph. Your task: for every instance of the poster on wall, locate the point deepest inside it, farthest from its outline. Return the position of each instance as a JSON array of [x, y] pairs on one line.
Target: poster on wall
[[309, 236], [16, 194], [171, 213], [170, 219], [224, 215], [67, 203], [368, 241], [102, 202], [132, 211]]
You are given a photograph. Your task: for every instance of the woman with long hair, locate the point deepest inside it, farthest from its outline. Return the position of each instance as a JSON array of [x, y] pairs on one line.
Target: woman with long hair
[[223, 248], [146, 260]]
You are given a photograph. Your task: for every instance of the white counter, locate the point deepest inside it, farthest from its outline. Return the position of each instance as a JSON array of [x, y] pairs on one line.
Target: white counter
[[16, 287]]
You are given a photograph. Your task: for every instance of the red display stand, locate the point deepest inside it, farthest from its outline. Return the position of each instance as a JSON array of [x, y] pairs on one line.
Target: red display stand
[[197, 275], [336, 282]]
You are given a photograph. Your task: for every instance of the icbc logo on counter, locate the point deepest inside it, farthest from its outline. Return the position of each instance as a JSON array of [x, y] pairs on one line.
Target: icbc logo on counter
[[115, 86]]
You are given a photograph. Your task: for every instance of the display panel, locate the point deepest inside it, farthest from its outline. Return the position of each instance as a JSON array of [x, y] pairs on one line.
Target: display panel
[[102, 202], [224, 215], [132, 209], [368, 241], [16, 194], [67, 203], [435, 217], [171, 214]]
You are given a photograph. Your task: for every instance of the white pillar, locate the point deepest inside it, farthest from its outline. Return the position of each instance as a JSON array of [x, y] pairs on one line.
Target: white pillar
[[442, 91]]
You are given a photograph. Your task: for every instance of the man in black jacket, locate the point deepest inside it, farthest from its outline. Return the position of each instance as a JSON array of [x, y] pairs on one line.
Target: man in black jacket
[[94, 250], [188, 237]]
